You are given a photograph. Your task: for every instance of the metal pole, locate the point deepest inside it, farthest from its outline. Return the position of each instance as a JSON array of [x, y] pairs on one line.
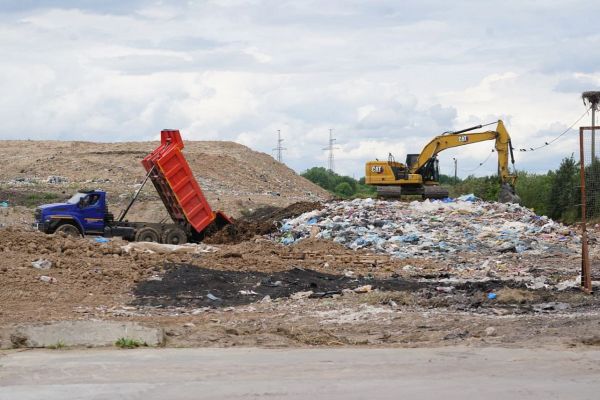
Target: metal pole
[[124, 213], [594, 105], [586, 280], [455, 175]]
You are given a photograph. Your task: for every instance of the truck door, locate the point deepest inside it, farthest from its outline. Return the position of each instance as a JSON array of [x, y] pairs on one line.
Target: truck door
[[91, 208]]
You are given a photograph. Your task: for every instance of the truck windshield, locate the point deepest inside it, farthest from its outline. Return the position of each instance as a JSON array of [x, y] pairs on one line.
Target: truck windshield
[[76, 197]]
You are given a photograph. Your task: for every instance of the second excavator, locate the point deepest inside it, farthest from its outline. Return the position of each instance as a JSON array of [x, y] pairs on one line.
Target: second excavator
[[420, 174]]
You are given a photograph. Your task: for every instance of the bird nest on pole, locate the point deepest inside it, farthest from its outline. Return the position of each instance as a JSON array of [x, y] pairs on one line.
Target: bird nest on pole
[[592, 98]]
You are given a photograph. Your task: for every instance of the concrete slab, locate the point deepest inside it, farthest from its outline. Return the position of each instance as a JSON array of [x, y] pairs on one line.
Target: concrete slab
[[83, 333], [450, 373]]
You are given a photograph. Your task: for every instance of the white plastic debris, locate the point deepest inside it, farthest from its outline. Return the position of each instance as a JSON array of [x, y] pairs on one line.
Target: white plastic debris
[[42, 264], [247, 292], [48, 279]]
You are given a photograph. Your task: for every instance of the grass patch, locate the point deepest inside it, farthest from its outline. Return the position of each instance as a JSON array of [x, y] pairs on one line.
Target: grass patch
[[129, 343], [57, 346]]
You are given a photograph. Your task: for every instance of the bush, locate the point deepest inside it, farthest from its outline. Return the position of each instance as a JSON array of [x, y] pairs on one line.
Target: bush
[[344, 189], [343, 186]]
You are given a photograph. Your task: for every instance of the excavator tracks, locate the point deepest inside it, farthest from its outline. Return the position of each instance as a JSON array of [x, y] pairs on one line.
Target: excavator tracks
[[427, 192]]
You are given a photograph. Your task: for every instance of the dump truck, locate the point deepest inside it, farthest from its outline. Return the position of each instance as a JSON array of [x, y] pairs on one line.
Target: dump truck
[[86, 212], [420, 174]]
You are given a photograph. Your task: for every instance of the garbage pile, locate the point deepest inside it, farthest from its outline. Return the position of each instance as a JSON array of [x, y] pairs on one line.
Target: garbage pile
[[432, 229]]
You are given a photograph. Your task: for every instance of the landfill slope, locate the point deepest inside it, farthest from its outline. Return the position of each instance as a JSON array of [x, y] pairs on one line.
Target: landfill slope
[[233, 177]]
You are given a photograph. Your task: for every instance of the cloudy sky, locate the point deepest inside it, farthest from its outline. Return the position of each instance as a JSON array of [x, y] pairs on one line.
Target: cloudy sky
[[384, 75]]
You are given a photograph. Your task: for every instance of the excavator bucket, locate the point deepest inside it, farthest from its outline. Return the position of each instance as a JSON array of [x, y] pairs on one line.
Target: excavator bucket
[[507, 194]]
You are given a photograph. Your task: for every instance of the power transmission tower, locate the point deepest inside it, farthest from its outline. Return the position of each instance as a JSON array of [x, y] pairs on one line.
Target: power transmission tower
[[330, 148], [279, 148]]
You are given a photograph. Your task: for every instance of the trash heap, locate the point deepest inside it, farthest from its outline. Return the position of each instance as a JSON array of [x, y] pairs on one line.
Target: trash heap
[[432, 229]]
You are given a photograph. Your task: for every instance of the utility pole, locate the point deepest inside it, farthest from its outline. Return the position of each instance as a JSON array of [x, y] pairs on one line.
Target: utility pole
[[279, 148], [330, 147], [455, 169], [592, 99]]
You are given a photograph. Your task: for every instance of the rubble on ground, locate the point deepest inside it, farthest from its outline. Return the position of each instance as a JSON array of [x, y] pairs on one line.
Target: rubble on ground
[[432, 229]]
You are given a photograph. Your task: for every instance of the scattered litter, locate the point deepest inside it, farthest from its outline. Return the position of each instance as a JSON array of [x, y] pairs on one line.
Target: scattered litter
[[42, 264], [248, 292], [4, 203], [551, 306], [100, 239], [266, 299], [212, 297], [330, 293], [48, 279], [160, 248], [468, 197], [445, 289], [491, 296], [490, 331], [363, 289], [57, 179], [301, 295]]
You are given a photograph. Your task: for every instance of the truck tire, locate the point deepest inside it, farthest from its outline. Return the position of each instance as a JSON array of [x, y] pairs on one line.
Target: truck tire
[[147, 234], [69, 230], [174, 236]]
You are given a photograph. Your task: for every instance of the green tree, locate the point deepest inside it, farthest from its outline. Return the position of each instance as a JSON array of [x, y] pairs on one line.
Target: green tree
[[563, 195], [344, 189]]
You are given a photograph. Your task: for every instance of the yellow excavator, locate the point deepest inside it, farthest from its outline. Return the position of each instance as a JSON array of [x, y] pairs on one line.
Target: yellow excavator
[[420, 174]]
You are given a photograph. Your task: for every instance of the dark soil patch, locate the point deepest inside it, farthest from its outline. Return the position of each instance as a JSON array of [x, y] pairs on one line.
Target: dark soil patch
[[262, 221], [189, 285], [184, 285], [30, 198]]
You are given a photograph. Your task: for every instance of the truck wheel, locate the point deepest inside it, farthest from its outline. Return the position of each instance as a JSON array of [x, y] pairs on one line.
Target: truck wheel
[[147, 234], [69, 230], [174, 236]]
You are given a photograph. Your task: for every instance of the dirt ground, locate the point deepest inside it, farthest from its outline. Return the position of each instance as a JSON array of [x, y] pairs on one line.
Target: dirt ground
[[313, 293]]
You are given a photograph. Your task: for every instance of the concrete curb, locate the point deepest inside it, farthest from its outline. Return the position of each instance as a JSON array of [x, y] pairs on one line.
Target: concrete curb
[[78, 333]]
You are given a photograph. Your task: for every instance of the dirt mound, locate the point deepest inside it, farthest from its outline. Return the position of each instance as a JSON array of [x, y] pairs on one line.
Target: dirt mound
[[262, 221], [233, 177]]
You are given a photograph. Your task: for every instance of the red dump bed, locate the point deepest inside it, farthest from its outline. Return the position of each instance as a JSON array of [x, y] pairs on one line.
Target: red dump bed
[[177, 186]]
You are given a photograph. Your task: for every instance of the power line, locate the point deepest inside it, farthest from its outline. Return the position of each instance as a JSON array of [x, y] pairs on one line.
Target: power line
[[559, 136], [533, 148], [480, 164]]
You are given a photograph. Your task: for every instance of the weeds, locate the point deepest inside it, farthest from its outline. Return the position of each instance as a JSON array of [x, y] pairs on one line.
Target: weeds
[[57, 346], [129, 343]]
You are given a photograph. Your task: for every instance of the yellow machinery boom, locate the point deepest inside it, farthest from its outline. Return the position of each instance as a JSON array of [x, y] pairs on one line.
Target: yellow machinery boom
[[420, 174]]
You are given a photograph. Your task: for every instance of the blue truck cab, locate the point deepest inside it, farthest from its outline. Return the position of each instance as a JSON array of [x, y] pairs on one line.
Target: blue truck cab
[[86, 212]]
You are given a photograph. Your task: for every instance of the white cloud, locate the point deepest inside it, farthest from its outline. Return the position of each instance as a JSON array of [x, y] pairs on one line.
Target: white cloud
[[386, 76]]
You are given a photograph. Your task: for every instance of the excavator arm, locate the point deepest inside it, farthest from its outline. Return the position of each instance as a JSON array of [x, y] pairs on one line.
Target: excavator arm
[[461, 138]]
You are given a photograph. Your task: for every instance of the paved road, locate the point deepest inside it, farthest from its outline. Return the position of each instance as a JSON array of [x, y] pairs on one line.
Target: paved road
[[440, 374]]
